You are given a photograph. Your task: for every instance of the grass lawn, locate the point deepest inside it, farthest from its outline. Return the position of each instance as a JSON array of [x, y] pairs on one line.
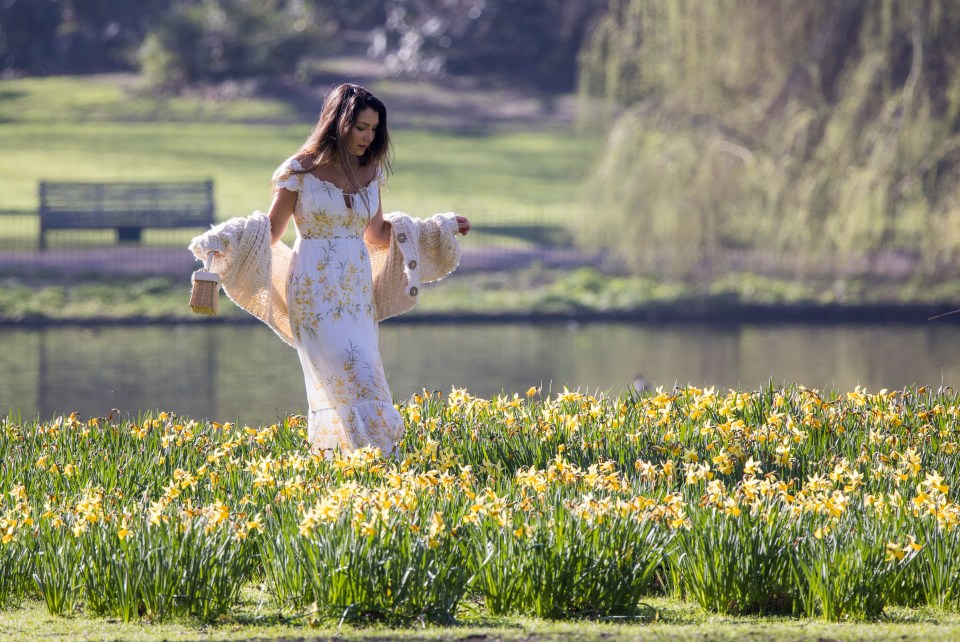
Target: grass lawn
[[99, 129], [675, 620]]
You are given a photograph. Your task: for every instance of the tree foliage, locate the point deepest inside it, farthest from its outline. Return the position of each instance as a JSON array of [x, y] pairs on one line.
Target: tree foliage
[[794, 135], [73, 36], [515, 41], [215, 40], [182, 42]]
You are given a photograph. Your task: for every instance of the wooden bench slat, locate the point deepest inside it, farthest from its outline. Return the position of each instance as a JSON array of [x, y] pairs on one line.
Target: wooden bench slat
[[93, 206], [66, 220], [129, 207], [80, 185]]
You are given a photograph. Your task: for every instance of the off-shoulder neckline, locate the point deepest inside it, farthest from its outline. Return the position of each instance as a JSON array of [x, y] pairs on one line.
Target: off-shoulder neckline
[[373, 180]]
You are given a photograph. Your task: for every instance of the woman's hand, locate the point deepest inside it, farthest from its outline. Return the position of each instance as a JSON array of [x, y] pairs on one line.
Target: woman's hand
[[463, 225]]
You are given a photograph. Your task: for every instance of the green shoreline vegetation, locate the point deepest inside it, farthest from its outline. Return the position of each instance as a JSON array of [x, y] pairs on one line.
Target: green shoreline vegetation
[[534, 292]]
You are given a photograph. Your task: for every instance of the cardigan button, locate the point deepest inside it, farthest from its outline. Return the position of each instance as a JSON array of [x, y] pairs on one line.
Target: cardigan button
[[414, 291], [412, 264], [401, 237]]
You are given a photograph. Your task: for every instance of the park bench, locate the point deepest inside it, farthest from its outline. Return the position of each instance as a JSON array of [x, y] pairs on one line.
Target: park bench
[[126, 207]]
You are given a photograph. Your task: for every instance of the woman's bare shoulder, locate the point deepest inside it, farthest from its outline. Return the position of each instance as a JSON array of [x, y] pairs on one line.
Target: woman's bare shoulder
[[367, 173], [300, 161]]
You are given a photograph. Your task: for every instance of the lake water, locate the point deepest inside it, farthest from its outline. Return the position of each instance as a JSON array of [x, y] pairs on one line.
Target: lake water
[[231, 372]]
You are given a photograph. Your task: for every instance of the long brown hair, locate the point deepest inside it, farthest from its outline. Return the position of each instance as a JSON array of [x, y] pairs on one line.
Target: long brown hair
[[326, 144]]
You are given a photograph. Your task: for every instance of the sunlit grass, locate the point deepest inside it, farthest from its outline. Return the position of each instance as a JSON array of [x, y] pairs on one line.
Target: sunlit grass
[[677, 621], [97, 129], [125, 98]]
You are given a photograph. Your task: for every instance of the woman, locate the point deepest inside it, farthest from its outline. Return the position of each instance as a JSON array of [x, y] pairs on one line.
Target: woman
[[331, 189]]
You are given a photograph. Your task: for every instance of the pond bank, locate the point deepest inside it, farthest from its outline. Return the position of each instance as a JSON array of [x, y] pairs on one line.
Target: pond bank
[[692, 312], [538, 294]]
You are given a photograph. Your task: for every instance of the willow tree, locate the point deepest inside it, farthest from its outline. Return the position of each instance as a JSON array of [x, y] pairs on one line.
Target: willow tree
[[776, 134]]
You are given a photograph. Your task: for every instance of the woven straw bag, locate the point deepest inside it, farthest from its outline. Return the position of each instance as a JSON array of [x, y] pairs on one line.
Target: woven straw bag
[[205, 289], [254, 274]]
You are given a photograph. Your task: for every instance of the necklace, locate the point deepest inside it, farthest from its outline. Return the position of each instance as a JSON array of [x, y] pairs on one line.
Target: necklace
[[346, 185]]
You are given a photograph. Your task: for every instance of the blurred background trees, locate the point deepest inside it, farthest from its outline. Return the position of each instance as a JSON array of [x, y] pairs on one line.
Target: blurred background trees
[[73, 36], [794, 136], [230, 40], [810, 137], [530, 42]]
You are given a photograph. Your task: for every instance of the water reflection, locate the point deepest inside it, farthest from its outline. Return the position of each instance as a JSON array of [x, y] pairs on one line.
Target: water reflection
[[244, 372]]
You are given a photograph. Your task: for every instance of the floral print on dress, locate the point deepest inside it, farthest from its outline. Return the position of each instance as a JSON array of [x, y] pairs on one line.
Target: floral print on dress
[[332, 316]]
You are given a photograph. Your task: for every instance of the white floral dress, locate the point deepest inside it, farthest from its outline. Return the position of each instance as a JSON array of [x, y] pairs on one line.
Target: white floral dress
[[331, 309]]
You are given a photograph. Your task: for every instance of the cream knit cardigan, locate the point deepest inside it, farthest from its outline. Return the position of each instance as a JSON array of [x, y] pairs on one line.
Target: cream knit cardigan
[[255, 274]]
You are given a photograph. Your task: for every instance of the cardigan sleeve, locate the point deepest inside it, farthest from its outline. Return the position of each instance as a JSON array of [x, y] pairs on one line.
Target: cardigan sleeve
[[439, 247]]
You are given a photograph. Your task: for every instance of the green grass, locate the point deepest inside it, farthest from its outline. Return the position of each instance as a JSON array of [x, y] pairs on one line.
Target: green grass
[[151, 298], [676, 621], [124, 98], [533, 290], [101, 129]]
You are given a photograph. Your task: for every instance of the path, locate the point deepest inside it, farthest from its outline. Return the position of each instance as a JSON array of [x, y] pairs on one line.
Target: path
[[177, 262]]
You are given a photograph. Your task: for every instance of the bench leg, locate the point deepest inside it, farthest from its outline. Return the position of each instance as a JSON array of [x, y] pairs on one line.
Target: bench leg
[[129, 234]]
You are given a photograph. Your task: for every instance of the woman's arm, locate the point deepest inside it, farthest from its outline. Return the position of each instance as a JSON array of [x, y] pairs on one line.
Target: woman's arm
[[281, 209], [378, 230]]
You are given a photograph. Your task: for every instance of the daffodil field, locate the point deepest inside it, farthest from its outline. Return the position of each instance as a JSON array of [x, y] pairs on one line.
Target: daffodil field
[[782, 500]]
